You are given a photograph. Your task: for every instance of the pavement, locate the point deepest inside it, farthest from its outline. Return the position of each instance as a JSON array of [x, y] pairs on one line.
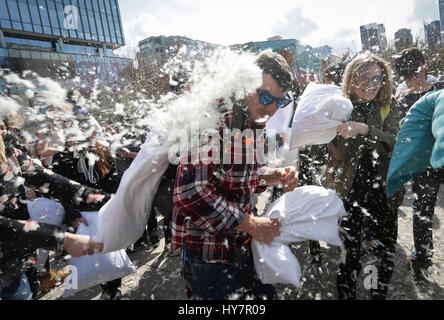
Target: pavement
[[158, 273]]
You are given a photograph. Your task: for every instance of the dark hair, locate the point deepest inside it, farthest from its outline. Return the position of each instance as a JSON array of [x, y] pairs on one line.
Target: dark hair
[[276, 66], [407, 62], [335, 72], [70, 94]]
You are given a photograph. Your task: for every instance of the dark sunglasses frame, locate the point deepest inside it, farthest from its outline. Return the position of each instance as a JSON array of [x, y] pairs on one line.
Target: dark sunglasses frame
[[266, 98], [369, 81]]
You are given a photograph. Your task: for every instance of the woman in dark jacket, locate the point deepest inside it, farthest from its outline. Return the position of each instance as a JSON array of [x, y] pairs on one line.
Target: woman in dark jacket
[[102, 174], [20, 238], [357, 168]]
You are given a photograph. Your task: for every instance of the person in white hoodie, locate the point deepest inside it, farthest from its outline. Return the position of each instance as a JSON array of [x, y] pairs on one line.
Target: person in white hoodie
[[407, 86]]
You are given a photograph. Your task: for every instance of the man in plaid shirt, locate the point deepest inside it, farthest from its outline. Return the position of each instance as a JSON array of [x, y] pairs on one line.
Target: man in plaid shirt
[[212, 221]]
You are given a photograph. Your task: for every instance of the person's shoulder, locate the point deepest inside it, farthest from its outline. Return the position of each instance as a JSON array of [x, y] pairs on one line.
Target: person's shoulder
[[428, 101]]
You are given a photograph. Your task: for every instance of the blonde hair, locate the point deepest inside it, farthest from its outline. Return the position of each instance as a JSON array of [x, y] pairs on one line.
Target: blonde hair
[[357, 65]]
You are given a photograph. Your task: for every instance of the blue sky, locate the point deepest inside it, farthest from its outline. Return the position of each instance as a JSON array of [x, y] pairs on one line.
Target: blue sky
[[314, 22]]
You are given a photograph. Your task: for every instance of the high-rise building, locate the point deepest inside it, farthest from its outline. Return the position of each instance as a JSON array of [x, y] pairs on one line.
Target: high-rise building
[[403, 39], [43, 35], [373, 37], [289, 48], [441, 15], [277, 44], [156, 51], [300, 56], [433, 33], [323, 52]]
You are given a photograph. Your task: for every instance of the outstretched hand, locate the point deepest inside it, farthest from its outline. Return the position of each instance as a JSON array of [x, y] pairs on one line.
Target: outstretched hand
[[79, 245]]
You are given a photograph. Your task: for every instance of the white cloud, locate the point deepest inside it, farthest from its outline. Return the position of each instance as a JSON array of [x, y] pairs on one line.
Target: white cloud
[[295, 25], [313, 22]]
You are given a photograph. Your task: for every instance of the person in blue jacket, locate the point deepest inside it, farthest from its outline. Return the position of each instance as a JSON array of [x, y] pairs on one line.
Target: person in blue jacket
[[410, 65], [420, 145]]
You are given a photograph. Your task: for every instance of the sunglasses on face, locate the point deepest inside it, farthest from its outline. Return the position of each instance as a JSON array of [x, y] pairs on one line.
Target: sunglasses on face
[[376, 80], [267, 98]]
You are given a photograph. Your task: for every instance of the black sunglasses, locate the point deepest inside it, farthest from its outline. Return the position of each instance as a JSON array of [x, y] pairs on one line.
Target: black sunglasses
[[267, 98]]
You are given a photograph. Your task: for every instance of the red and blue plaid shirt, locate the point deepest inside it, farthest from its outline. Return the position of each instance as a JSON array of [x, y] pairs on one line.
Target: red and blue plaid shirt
[[211, 200]]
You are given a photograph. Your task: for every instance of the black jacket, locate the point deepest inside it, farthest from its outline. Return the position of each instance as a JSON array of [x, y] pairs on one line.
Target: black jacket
[[66, 164]]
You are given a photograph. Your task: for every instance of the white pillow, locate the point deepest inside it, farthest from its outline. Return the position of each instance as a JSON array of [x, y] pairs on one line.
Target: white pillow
[[89, 271], [321, 110], [307, 213], [123, 218]]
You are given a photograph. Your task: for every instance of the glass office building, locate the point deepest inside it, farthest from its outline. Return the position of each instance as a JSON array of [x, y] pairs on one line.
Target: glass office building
[[41, 35], [433, 33]]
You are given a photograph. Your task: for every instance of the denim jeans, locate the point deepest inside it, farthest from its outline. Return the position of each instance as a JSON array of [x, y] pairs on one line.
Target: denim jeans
[[19, 290], [220, 281]]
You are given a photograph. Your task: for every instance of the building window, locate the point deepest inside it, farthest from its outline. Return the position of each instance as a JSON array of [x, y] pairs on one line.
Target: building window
[[28, 42], [5, 24], [44, 16], [61, 16], [35, 16], [15, 15], [96, 12], [53, 18], [91, 19], [4, 15], [104, 22], [80, 27], [117, 23], [109, 15], [84, 18], [24, 12]]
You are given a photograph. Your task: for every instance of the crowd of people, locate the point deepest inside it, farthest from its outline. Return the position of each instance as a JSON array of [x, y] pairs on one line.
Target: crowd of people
[[208, 208]]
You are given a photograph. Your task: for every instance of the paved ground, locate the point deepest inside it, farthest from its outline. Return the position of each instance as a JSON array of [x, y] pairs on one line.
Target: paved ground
[[158, 274]]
